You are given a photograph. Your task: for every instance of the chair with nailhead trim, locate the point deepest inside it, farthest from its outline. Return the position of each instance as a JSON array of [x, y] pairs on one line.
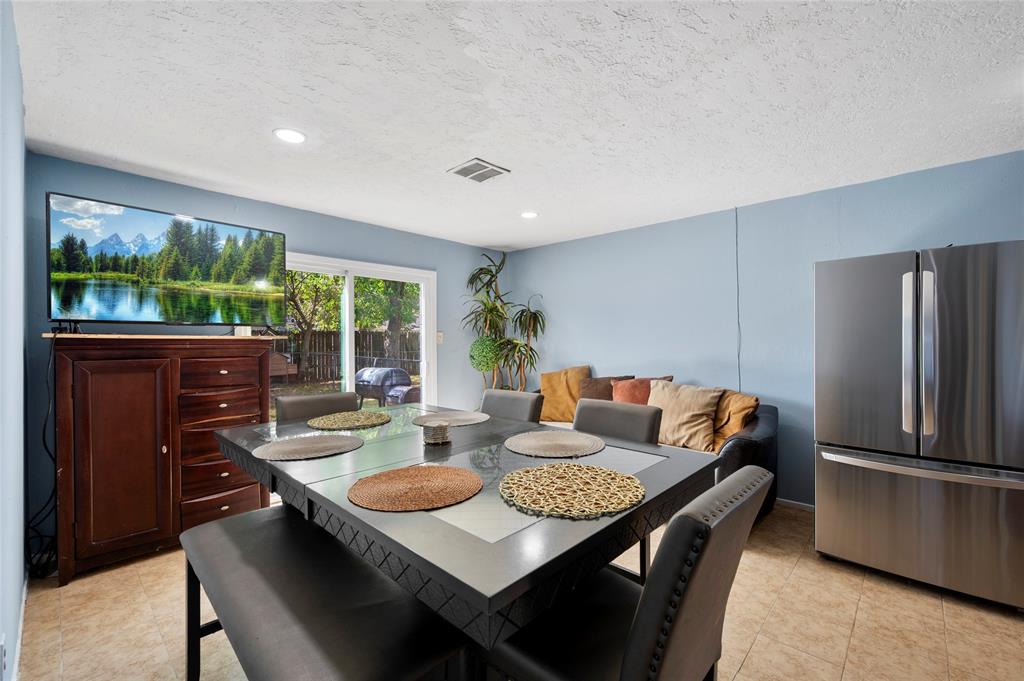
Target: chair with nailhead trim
[[611, 629]]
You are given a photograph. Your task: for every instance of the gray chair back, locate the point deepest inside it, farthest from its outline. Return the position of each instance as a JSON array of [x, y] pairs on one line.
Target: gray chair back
[[510, 404], [305, 407], [634, 422], [677, 629]]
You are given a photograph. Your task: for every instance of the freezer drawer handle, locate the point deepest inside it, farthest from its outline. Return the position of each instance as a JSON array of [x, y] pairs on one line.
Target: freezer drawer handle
[[929, 473]]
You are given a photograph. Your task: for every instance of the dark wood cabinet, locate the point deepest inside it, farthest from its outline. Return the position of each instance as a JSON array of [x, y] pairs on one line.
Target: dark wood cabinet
[[137, 461], [122, 456]]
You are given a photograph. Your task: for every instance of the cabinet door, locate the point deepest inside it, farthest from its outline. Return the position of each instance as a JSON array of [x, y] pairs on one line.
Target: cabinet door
[[123, 461]]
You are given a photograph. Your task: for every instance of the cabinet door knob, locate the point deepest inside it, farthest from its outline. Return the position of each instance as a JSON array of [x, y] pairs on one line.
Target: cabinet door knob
[[225, 507], [224, 474], [222, 405], [223, 372], [163, 450]]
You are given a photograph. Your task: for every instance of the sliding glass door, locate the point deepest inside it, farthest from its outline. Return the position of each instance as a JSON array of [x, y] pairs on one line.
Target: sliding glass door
[[358, 327]]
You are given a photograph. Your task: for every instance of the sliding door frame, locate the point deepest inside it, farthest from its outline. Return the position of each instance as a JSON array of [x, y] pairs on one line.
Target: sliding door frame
[[350, 269]]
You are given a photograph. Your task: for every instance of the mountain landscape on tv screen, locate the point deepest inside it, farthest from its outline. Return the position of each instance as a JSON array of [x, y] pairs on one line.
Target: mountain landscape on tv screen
[[175, 268]]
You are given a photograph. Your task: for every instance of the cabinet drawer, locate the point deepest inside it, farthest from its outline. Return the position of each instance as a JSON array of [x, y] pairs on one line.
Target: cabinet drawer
[[199, 441], [212, 373], [218, 404], [198, 479], [205, 509]]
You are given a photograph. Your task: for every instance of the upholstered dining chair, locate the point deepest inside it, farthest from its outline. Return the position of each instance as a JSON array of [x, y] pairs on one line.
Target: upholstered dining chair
[[611, 629], [633, 422], [304, 407], [510, 404]]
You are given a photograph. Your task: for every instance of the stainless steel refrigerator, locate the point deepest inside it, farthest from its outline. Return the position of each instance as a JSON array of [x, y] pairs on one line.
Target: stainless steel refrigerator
[[919, 415]]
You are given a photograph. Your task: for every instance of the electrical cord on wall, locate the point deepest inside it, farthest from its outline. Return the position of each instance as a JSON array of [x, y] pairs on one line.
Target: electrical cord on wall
[[40, 546], [739, 325]]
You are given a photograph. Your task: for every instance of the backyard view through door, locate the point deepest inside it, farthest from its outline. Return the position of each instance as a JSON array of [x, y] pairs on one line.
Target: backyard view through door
[[351, 332]]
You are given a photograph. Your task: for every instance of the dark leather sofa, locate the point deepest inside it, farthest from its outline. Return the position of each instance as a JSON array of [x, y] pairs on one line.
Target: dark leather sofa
[[756, 444]]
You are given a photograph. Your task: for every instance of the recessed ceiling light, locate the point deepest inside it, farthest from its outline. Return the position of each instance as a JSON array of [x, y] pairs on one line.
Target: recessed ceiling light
[[530, 214], [290, 136]]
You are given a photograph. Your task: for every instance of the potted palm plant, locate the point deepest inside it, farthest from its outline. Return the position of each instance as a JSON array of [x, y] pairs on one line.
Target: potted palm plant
[[507, 358]]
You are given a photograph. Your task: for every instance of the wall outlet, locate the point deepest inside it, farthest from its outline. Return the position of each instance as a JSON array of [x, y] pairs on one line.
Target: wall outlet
[[440, 337]]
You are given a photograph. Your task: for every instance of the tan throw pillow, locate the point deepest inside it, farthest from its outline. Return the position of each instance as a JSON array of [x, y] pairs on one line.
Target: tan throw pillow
[[561, 391], [732, 415], [687, 414]]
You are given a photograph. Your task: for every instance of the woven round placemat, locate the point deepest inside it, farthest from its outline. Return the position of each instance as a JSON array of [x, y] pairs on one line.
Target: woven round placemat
[[452, 418], [349, 420], [297, 448], [416, 488], [570, 490], [555, 444]]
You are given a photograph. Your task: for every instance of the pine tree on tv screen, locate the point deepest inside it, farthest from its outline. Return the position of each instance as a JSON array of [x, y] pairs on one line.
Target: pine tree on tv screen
[[115, 263]]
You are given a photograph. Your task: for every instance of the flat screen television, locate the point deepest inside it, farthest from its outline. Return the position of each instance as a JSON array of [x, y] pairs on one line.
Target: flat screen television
[[114, 263]]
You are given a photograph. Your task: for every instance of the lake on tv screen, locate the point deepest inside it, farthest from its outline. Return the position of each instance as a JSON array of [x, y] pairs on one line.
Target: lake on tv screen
[[114, 263]]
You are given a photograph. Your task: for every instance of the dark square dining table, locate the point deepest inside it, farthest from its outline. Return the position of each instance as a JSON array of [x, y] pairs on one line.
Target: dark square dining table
[[482, 565]]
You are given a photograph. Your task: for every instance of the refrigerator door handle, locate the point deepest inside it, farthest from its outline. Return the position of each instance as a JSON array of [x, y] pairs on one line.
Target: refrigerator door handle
[[1004, 481], [927, 352], [907, 352]]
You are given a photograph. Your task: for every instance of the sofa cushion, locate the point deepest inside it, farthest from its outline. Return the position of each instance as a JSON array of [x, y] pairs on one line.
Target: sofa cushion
[[687, 414], [599, 388], [634, 390], [561, 390], [734, 412]]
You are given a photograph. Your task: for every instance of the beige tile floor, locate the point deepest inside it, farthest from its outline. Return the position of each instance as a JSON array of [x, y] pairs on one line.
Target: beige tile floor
[[792, 616]]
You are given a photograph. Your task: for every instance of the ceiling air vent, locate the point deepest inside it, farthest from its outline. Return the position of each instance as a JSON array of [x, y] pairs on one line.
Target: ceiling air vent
[[478, 170]]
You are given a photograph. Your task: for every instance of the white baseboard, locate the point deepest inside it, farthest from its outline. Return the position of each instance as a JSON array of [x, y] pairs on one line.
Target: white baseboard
[[795, 504], [21, 631]]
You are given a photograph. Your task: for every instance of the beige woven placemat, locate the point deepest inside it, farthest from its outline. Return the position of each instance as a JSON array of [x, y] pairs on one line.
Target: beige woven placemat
[[297, 448], [349, 420], [570, 490], [555, 444], [416, 488], [452, 418]]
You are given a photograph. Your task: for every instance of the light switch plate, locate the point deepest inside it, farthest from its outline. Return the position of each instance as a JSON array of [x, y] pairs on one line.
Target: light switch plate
[[440, 337]]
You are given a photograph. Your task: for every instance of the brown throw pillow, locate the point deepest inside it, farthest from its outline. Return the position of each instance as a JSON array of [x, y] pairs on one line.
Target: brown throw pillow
[[561, 390], [687, 414], [733, 414], [599, 388], [634, 390]]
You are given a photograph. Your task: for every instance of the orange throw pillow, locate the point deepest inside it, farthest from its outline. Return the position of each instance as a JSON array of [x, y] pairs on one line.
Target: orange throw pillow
[[634, 390], [733, 414], [561, 391]]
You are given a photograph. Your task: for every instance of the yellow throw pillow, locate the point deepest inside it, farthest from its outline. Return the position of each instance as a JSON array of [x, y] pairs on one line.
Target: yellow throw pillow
[[561, 391], [687, 414], [733, 414]]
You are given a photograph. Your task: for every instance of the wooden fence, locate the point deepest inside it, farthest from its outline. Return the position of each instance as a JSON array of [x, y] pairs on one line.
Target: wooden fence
[[324, 362]]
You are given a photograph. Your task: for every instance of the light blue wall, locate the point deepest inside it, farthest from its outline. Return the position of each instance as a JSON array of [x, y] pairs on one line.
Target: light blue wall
[[663, 298], [306, 232], [12, 338]]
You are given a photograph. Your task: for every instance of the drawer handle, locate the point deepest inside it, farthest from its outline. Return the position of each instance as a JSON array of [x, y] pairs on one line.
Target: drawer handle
[[163, 449], [225, 507], [225, 474], [223, 372], [222, 405]]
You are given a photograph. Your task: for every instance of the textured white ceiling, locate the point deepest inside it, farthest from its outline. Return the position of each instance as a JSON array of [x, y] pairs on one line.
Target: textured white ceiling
[[610, 115]]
